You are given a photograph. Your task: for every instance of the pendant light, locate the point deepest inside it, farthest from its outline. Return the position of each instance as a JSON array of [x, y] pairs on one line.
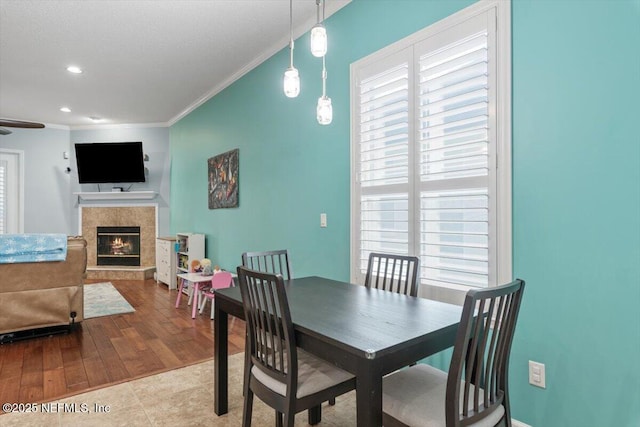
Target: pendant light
[[324, 110], [319, 34], [291, 75]]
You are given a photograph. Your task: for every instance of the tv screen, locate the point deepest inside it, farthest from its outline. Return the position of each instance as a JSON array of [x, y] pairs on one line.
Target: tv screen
[[110, 162]]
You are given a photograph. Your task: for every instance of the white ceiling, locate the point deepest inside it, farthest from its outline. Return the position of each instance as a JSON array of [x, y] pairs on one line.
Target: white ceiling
[[144, 61]]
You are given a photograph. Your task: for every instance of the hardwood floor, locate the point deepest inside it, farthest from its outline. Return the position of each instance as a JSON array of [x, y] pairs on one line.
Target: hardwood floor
[[112, 349]]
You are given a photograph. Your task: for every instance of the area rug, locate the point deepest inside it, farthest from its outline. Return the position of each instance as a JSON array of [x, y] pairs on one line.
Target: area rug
[[144, 402], [103, 299]]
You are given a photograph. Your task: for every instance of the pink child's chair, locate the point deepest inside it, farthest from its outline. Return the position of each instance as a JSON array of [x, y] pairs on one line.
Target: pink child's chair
[[220, 280]]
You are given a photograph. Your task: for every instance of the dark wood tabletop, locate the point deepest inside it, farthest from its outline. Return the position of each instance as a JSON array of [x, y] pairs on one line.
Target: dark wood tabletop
[[365, 331]]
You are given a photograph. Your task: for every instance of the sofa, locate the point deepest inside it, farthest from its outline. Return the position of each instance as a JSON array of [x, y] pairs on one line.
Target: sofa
[[43, 296]]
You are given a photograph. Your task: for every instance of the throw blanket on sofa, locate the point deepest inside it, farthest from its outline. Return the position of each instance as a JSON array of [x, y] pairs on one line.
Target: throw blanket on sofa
[[15, 248]]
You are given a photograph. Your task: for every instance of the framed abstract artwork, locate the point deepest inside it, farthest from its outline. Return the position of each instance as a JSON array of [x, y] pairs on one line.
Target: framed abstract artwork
[[223, 180]]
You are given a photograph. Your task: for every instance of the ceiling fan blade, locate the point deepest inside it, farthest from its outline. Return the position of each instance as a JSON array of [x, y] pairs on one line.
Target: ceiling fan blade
[[4, 131], [20, 124]]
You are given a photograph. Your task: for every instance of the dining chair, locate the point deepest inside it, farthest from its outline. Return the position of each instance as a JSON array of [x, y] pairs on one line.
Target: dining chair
[[396, 273], [275, 262], [220, 280], [280, 374], [271, 262], [475, 392]]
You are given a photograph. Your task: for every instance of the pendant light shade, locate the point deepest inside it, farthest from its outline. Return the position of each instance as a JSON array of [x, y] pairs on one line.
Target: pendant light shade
[[291, 75], [291, 82], [319, 34], [319, 41], [324, 110]]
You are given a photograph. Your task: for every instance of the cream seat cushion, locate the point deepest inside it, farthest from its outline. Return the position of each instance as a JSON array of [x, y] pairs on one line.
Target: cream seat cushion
[[314, 375], [416, 396]]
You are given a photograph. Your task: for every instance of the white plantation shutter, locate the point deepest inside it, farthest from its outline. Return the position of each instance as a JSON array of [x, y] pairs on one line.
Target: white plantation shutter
[[454, 247], [454, 122], [383, 170], [425, 140]]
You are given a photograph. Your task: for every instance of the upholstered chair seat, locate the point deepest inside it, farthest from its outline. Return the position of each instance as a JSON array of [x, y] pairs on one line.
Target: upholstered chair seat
[[415, 396], [314, 375]]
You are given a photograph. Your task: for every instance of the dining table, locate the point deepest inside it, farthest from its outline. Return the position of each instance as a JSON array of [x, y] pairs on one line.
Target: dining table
[[367, 332]]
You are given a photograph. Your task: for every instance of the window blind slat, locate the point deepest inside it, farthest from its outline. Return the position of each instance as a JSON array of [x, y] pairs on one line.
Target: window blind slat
[[391, 118], [445, 129], [386, 95], [454, 139]]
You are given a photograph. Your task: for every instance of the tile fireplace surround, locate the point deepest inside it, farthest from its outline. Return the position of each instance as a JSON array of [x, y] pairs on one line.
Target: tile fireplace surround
[[120, 216]]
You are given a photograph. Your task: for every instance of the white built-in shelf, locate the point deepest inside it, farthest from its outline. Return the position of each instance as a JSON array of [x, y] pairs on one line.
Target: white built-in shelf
[[117, 195]]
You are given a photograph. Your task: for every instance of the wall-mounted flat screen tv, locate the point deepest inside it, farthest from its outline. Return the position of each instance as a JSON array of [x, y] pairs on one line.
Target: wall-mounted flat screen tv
[[110, 162]]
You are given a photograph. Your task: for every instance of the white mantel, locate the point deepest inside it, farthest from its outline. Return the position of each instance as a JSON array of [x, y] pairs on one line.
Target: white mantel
[[116, 195]]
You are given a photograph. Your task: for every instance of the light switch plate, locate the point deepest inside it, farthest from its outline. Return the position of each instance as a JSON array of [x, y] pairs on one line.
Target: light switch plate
[[537, 374]]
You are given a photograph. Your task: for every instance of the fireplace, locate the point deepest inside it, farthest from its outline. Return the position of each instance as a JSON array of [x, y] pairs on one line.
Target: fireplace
[[118, 246]]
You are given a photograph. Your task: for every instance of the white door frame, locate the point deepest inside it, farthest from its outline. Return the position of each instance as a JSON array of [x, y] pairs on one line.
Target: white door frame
[[15, 189]]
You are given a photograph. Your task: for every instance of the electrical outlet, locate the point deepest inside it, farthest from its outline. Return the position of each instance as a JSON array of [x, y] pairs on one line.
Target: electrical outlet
[[536, 374]]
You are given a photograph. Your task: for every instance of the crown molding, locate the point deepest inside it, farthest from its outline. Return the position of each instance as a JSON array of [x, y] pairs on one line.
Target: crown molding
[[121, 126], [283, 43]]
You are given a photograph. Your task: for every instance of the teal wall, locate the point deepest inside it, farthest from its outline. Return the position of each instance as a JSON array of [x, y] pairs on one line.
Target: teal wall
[[576, 210], [576, 186], [291, 168]]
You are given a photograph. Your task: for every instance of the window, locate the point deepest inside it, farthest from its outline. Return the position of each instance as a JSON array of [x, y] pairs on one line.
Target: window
[[431, 152]]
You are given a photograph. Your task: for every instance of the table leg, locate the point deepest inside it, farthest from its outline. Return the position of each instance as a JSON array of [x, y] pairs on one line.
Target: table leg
[[179, 292], [369, 394], [221, 363], [194, 305]]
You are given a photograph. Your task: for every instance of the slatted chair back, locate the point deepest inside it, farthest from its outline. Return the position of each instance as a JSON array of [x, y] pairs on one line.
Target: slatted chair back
[[395, 273], [270, 336], [274, 262], [477, 383]]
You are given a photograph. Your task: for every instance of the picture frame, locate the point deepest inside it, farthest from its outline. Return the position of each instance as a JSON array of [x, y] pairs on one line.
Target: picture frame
[[223, 181]]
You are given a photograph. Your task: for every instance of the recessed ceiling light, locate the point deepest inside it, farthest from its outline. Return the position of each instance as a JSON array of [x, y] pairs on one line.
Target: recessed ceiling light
[[95, 119], [73, 69], [65, 109]]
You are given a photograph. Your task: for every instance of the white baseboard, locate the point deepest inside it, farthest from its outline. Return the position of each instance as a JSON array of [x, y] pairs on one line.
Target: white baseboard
[[516, 423]]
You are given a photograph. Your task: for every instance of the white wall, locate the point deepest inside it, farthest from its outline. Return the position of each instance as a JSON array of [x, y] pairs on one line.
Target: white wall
[[155, 143], [49, 205], [47, 186]]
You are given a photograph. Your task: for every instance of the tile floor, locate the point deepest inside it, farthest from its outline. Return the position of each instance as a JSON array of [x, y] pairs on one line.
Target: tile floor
[[181, 397]]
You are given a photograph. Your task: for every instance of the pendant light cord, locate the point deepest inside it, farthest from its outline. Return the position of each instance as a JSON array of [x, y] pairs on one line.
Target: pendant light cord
[[324, 68], [290, 33], [324, 78]]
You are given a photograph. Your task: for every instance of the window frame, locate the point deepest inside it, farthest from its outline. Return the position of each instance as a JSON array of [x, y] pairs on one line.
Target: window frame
[[501, 212]]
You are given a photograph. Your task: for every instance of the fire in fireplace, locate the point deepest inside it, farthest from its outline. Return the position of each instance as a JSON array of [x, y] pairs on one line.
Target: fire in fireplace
[[118, 246]]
